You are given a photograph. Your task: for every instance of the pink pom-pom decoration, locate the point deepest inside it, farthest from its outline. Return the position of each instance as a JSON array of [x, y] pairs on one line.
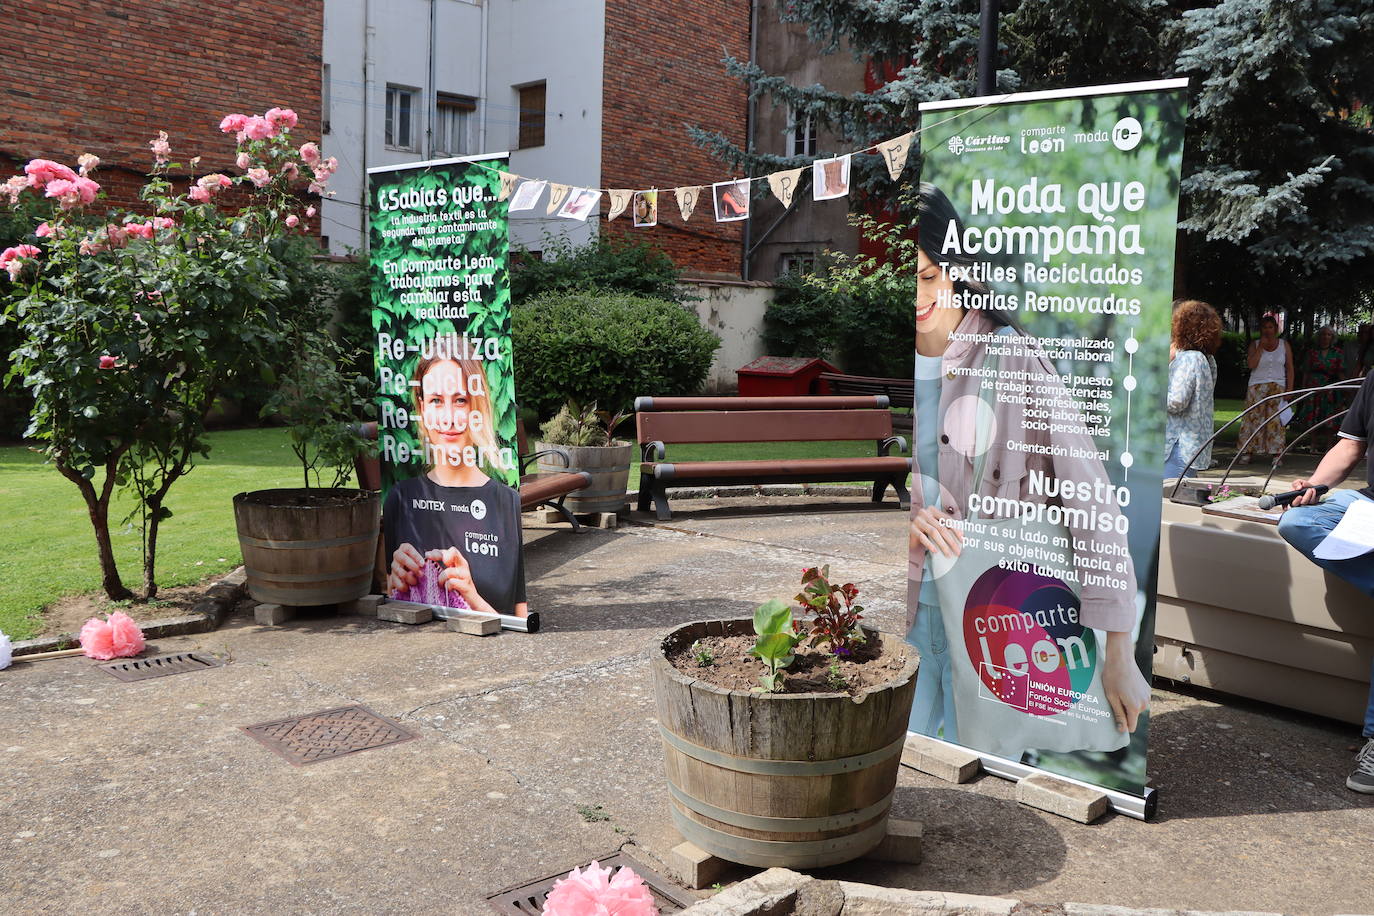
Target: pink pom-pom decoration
[[115, 637], [593, 892]]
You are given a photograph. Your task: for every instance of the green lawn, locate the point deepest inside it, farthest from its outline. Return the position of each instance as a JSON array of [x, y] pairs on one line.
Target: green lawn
[[47, 548], [1223, 411]]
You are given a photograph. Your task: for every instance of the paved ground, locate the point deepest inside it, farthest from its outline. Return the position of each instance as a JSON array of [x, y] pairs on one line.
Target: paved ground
[[147, 797]]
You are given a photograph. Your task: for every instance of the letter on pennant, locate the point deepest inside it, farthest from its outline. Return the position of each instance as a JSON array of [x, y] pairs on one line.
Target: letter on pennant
[[620, 200], [687, 200], [784, 184], [894, 153], [508, 182], [557, 194]]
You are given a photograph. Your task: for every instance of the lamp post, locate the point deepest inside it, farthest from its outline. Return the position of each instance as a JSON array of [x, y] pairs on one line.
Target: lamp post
[[987, 48]]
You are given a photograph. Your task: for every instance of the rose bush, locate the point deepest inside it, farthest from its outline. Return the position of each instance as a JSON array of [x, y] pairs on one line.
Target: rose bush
[[130, 325]]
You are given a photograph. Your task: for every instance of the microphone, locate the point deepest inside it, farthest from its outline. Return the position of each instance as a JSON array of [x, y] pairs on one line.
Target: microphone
[[1283, 499]]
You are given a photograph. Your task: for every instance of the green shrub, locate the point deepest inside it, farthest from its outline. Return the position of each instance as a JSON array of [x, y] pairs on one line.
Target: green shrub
[[867, 329], [607, 263], [1232, 374], [606, 347]]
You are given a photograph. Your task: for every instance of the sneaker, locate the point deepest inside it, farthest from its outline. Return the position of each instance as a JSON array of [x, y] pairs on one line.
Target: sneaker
[[1362, 780]]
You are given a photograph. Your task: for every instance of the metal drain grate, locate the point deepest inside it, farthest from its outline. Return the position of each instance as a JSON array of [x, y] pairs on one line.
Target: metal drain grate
[[140, 669], [528, 899], [329, 734]]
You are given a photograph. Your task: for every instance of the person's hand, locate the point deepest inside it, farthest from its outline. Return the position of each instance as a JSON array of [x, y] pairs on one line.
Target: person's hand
[[1125, 687], [406, 564], [1309, 498], [928, 534], [456, 576]]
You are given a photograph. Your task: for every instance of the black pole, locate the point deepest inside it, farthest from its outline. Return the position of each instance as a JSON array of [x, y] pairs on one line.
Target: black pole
[[987, 48]]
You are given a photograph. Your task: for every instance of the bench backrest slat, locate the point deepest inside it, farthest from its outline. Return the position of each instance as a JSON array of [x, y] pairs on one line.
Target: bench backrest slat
[[763, 425]]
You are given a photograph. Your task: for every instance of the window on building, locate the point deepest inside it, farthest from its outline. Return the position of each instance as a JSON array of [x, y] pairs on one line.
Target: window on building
[[324, 100], [400, 117], [454, 119], [532, 103], [797, 263], [801, 134]]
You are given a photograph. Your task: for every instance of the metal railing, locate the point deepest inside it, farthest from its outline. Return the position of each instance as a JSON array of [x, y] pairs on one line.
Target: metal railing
[[1293, 398]]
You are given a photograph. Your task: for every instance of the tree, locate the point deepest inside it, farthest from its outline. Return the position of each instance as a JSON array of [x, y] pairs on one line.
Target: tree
[[1278, 189]]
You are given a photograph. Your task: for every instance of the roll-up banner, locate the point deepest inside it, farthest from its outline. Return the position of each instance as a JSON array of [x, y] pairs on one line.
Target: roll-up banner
[[1046, 262], [447, 424]]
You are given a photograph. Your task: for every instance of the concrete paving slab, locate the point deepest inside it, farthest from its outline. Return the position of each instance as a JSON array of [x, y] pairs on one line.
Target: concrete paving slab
[[539, 752]]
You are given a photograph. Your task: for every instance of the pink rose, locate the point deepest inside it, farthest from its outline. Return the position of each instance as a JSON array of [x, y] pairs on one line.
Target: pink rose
[[108, 362], [87, 162], [42, 171], [258, 128], [91, 245], [233, 123], [163, 222], [15, 186], [293, 221], [310, 153], [14, 260], [260, 177], [315, 188], [291, 171], [117, 236], [87, 189], [281, 118], [310, 211], [44, 230], [243, 161], [199, 195], [162, 150], [140, 230]]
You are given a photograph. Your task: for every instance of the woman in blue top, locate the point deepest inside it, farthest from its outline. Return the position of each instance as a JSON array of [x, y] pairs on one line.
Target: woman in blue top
[[1192, 384]]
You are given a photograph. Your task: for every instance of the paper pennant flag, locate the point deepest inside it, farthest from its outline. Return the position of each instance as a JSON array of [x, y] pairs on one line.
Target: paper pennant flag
[[620, 199], [687, 200], [732, 200], [784, 184], [557, 194], [579, 204], [894, 153], [508, 182], [527, 195], [830, 178], [646, 209]]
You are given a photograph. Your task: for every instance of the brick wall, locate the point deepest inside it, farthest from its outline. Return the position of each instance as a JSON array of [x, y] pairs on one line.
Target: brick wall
[[105, 78], [662, 72]]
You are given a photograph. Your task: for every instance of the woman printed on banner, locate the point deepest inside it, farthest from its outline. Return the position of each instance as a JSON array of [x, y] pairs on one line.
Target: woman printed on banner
[[453, 533], [953, 336]]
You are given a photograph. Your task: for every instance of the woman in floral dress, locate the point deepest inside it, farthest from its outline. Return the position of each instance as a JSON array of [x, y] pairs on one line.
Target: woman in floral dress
[[1271, 372], [1321, 366]]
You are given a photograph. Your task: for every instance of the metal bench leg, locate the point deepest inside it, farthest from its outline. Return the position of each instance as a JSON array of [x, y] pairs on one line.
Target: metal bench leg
[[903, 497], [645, 485], [661, 503], [879, 489], [565, 512]]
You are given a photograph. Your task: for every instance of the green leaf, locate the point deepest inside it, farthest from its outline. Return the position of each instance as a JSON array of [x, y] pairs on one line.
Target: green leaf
[[777, 647], [773, 616]]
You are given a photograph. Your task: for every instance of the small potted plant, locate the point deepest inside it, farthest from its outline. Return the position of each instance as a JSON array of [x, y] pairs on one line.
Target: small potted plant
[[587, 436], [314, 544], [783, 734]]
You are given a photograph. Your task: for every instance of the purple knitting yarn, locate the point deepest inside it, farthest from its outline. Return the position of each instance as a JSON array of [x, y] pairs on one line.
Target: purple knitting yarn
[[428, 590]]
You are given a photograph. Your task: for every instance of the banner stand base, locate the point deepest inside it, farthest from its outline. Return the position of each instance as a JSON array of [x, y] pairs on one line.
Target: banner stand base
[[528, 624], [1036, 793]]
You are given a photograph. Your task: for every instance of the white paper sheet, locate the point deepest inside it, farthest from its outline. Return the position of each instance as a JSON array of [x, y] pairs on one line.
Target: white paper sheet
[[1353, 537]]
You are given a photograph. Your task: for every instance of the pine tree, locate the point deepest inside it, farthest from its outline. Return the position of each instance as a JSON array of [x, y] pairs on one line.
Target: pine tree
[[1278, 188]]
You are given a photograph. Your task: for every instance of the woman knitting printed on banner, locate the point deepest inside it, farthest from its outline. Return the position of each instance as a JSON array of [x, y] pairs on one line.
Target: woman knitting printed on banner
[[453, 533], [977, 453]]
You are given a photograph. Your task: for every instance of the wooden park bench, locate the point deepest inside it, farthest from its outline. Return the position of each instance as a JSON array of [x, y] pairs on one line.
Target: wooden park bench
[[536, 489], [661, 422], [900, 392]]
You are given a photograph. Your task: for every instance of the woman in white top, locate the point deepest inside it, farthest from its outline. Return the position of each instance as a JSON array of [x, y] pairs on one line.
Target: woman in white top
[[1271, 372]]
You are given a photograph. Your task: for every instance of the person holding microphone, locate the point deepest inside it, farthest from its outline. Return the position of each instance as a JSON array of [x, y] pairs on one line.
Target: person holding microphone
[[1309, 519]]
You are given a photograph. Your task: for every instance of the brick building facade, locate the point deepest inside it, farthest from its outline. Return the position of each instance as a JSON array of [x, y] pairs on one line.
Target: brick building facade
[[663, 71], [105, 78]]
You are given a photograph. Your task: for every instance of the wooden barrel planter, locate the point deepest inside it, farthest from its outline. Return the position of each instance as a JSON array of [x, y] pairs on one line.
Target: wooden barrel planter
[[308, 547], [790, 780], [609, 467]]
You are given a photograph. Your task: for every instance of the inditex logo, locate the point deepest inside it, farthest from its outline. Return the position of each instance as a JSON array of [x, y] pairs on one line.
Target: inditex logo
[[479, 509], [1126, 134]]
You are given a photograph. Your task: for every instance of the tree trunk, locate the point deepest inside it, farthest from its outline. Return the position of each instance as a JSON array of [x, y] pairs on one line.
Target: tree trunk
[[98, 508], [150, 552]]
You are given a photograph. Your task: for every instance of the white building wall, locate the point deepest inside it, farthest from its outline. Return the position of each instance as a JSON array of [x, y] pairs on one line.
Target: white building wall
[[368, 45], [483, 50], [563, 43]]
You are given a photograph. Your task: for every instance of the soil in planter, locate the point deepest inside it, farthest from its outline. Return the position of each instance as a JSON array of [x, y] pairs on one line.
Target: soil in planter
[[321, 498], [733, 668]]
